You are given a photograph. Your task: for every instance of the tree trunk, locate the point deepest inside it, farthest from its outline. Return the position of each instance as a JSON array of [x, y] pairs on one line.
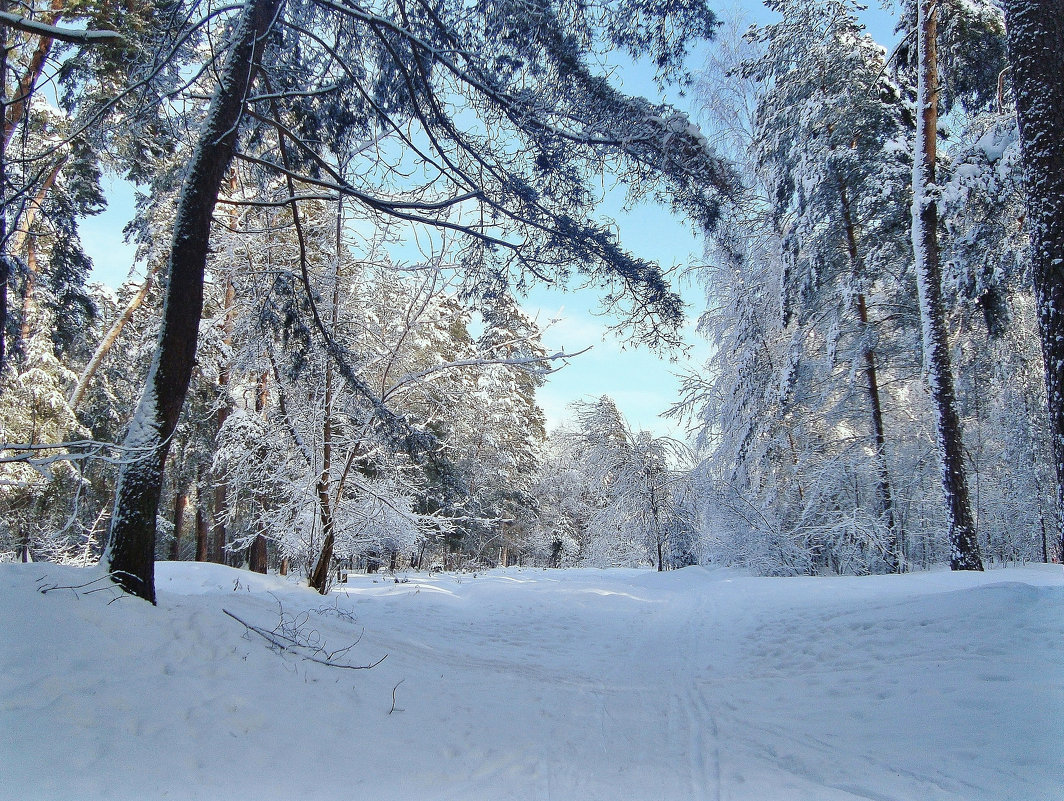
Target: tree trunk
[[220, 504], [886, 497], [21, 241], [5, 263], [202, 531], [257, 559], [29, 308], [1036, 43], [221, 489], [320, 578], [130, 551], [180, 503], [16, 109], [964, 547], [893, 557]]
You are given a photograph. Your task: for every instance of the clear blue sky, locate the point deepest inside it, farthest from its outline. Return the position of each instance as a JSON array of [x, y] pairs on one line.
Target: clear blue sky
[[642, 384]]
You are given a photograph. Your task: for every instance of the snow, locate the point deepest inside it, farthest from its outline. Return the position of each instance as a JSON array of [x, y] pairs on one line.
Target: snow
[[534, 684]]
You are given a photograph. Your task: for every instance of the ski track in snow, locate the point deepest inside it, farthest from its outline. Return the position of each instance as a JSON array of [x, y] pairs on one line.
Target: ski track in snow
[[695, 685]]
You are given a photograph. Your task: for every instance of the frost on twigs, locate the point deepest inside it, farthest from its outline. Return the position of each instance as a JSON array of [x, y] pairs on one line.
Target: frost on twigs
[[293, 635]]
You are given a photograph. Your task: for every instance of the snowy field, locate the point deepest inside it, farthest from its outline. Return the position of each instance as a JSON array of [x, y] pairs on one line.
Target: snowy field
[[619, 685]]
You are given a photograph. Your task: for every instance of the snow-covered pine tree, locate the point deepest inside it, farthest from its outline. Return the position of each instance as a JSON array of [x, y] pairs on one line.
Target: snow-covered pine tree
[[1036, 39], [640, 488], [964, 547], [828, 141]]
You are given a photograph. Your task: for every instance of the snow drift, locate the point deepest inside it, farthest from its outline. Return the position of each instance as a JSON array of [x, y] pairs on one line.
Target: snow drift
[[535, 684]]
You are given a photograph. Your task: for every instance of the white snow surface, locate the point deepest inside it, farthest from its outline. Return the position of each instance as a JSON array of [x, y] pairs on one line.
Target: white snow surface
[[534, 684]]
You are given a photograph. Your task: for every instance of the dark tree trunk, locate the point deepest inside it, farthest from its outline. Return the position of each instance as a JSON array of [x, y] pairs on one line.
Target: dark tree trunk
[[218, 533], [130, 551], [202, 534], [180, 502], [886, 497], [964, 547], [319, 579], [1036, 55], [257, 559]]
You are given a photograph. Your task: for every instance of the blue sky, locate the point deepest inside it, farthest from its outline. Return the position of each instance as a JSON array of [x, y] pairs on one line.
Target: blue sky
[[642, 384]]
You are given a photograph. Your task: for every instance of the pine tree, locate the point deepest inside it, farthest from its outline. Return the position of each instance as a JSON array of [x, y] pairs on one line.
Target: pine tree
[[827, 136], [1036, 36], [964, 547]]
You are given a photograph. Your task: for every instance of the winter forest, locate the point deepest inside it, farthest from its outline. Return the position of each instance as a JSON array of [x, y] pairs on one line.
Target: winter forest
[[323, 369], [327, 361]]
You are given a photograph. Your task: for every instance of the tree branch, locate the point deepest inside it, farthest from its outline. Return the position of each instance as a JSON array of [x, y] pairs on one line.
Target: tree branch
[[8, 20]]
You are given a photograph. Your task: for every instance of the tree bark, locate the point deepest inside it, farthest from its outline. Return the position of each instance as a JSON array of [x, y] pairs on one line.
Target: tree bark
[[258, 556], [130, 551], [1036, 43], [258, 559], [319, 579], [21, 241], [16, 110], [964, 547], [180, 503], [202, 531], [5, 263], [886, 496]]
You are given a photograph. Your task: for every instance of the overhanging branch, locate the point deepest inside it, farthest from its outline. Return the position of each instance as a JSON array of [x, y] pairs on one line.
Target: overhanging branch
[[8, 20]]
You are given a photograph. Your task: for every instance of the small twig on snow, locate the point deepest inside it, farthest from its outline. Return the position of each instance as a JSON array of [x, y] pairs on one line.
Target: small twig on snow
[[394, 707]]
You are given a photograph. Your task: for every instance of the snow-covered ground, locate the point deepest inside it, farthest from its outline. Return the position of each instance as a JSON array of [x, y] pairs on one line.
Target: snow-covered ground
[[620, 685]]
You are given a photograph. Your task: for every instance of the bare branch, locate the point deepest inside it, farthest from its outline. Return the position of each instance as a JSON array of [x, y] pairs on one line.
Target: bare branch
[[293, 646]]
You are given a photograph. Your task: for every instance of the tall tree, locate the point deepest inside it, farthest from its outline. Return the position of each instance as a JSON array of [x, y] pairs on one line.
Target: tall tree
[[964, 547], [511, 170], [826, 141], [130, 551], [1036, 41]]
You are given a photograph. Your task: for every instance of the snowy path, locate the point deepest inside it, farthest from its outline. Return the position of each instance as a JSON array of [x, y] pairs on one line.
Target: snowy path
[[533, 685]]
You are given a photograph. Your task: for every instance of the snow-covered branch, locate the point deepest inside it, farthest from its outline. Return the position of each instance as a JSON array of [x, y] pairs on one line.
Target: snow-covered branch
[[72, 35]]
